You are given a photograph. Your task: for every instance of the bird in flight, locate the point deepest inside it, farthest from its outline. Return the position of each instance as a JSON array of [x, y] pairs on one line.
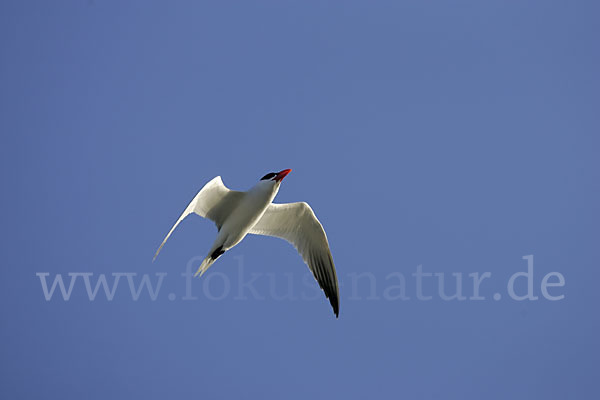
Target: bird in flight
[[237, 214]]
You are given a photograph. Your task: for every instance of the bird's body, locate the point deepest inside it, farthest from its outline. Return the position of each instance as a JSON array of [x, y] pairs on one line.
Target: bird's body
[[238, 213], [250, 209]]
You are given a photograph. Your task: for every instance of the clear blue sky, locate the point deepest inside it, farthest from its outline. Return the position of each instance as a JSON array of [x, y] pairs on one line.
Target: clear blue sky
[[455, 135]]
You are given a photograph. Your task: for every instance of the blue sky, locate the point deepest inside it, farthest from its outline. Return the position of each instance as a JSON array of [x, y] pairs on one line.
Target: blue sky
[[455, 135]]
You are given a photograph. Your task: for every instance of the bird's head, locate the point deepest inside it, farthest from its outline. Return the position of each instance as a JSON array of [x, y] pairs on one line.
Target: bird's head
[[274, 178]]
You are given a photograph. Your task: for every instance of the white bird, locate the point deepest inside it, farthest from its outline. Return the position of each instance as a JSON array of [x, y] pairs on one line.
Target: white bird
[[237, 214]]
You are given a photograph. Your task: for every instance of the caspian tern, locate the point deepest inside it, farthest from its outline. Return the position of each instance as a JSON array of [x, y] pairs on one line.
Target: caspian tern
[[237, 214]]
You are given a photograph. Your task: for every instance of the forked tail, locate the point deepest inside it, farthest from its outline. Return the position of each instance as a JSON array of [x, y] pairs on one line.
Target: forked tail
[[209, 260]]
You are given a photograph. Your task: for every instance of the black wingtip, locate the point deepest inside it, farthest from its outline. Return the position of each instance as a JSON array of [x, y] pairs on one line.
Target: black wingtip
[[334, 299], [335, 305]]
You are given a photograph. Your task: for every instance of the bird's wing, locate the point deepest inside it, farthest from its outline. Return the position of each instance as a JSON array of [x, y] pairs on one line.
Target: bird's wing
[[214, 201], [297, 223]]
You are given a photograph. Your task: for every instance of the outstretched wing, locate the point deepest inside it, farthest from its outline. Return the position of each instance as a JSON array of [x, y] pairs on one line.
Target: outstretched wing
[[297, 223], [214, 201]]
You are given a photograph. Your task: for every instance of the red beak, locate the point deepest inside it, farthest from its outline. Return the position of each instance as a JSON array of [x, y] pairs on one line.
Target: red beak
[[282, 174]]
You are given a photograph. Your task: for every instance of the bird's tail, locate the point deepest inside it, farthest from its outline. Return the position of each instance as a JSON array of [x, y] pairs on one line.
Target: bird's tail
[[208, 261]]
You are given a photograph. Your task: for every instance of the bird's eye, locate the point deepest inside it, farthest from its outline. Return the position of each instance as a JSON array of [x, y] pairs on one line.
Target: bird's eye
[[270, 175]]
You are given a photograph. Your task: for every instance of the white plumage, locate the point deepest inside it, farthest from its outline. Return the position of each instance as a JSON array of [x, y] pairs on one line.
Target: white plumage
[[238, 213]]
